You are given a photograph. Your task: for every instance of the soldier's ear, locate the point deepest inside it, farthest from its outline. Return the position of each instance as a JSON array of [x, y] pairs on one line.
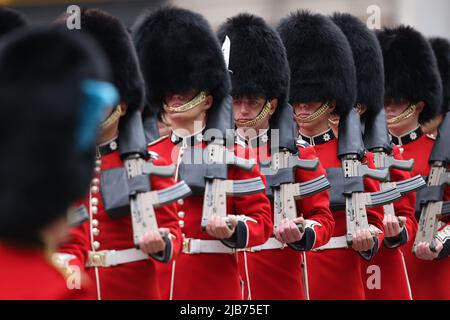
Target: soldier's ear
[[332, 106], [419, 106], [124, 107], [273, 106], [208, 102]]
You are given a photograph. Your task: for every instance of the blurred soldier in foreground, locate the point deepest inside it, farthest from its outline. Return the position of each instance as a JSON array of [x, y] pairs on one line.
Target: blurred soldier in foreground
[[11, 20], [53, 97], [124, 235]]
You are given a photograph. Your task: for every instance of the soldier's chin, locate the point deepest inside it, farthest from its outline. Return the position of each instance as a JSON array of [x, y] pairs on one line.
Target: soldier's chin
[[240, 124], [396, 125]]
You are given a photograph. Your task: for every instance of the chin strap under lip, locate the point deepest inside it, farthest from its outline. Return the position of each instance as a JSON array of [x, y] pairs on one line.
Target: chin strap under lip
[[263, 114], [193, 103], [315, 115], [407, 113]]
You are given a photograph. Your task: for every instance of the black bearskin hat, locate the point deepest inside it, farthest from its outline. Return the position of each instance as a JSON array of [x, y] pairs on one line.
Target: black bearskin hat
[[178, 51], [258, 62], [441, 48], [113, 37], [368, 60], [42, 73], [410, 69], [10, 20], [320, 58]]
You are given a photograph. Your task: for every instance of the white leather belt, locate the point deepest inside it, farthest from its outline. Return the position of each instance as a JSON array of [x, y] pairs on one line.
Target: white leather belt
[[195, 246], [109, 258], [334, 243], [270, 244]]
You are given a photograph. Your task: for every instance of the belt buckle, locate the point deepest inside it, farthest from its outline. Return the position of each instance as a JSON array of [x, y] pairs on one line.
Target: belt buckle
[[253, 249], [97, 259], [186, 246]]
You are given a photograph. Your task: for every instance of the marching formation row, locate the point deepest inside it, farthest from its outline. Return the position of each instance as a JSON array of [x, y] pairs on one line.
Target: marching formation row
[[167, 161]]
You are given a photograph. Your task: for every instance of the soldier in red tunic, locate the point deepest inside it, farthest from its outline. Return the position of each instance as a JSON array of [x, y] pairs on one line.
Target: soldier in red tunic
[[385, 275], [323, 81], [260, 83], [55, 122], [413, 97], [185, 74], [104, 244]]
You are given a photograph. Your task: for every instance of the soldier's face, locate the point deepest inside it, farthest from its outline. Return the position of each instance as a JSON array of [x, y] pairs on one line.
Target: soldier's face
[[394, 109], [303, 110], [248, 108], [180, 98]]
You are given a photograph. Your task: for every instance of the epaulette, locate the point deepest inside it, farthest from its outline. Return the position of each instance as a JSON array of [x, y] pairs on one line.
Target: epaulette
[[301, 143], [157, 140], [431, 136]]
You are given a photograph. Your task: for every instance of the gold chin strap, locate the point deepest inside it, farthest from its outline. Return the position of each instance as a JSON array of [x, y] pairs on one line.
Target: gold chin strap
[[408, 113], [316, 115], [113, 117], [258, 119], [195, 102], [333, 122]]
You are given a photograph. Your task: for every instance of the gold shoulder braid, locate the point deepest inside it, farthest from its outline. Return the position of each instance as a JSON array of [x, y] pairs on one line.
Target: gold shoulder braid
[[258, 119], [113, 117], [316, 115], [195, 102], [404, 115]]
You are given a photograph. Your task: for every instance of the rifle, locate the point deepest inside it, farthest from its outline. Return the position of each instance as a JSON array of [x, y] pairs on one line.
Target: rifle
[[430, 199], [280, 170], [350, 152], [206, 170], [445, 211], [216, 188], [377, 141], [129, 187]]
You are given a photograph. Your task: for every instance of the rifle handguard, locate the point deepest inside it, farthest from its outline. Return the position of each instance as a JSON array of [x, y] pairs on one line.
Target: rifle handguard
[[160, 171], [406, 165], [377, 174]]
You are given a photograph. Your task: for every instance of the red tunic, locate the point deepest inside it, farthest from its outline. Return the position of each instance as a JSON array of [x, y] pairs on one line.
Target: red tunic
[[133, 280], [26, 274], [336, 273], [211, 275], [277, 274], [429, 279], [393, 279]]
